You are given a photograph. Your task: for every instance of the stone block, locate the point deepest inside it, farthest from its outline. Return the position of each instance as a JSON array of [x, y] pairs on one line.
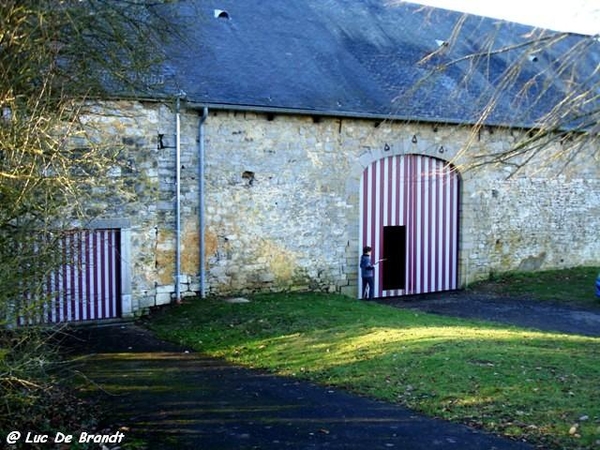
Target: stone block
[[188, 294], [266, 278], [163, 299], [349, 291], [165, 289]]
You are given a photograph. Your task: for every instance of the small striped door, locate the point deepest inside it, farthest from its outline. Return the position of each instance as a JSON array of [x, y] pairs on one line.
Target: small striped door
[[86, 286], [413, 202]]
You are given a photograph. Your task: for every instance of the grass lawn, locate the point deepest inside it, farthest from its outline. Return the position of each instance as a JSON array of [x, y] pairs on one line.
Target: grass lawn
[[520, 383]]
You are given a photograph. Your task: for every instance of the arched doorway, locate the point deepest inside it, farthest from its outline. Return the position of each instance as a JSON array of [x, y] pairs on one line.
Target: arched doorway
[[410, 216]]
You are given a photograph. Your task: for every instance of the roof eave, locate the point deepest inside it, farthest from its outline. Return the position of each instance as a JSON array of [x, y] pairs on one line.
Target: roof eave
[[319, 112]]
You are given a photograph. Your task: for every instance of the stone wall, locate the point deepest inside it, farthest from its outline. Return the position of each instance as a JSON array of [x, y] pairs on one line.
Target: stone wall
[[282, 199], [142, 191]]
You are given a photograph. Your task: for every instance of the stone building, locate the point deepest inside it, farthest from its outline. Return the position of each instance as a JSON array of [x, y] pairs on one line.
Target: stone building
[[278, 138]]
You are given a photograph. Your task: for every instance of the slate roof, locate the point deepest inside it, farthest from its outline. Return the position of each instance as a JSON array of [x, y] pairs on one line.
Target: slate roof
[[362, 58]]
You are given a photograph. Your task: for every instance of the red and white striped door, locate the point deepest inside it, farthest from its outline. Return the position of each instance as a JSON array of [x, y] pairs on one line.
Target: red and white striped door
[[410, 216], [86, 285]]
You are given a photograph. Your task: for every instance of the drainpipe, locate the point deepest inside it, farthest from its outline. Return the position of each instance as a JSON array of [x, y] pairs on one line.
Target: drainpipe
[[201, 201], [178, 199]]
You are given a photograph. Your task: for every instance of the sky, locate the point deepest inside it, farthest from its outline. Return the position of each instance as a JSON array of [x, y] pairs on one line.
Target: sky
[[578, 16]]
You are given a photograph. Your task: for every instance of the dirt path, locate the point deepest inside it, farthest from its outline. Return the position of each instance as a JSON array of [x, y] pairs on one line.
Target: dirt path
[[168, 398]]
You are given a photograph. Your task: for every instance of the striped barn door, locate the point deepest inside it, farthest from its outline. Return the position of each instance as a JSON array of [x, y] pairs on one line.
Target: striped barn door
[[86, 285], [409, 216]]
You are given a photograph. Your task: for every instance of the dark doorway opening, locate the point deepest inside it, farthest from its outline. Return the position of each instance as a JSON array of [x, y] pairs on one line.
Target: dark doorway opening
[[394, 255]]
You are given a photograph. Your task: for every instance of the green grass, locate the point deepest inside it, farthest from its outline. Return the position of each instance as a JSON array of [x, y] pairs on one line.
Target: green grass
[[520, 383], [572, 286]]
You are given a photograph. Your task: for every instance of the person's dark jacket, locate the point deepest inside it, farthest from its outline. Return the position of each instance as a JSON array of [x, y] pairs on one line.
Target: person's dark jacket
[[366, 268]]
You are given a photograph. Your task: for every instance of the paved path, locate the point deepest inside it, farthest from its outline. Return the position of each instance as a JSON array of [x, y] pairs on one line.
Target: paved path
[[182, 400], [529, 313]]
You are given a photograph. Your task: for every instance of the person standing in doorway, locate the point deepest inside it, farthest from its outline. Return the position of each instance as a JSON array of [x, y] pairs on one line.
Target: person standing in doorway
[[367, 273]]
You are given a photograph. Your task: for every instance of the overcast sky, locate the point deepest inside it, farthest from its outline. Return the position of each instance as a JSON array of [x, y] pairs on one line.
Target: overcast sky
[[579, 16]]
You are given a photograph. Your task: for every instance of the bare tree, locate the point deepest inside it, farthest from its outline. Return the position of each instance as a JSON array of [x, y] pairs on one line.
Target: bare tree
[[54, 56], [544, 83]]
